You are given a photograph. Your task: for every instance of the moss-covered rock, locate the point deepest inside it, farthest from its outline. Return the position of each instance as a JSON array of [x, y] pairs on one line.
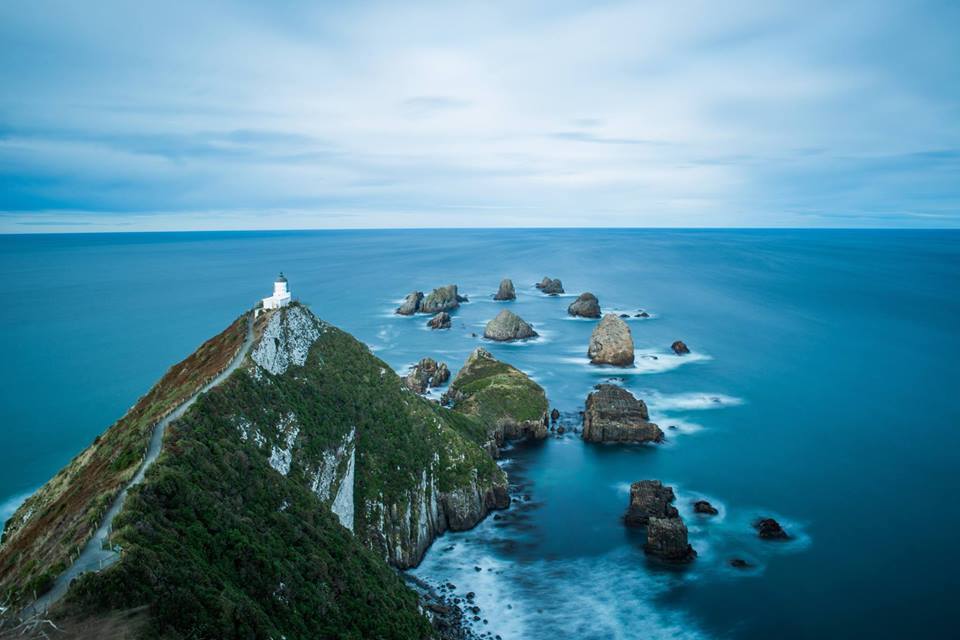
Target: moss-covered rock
[[504, 399]]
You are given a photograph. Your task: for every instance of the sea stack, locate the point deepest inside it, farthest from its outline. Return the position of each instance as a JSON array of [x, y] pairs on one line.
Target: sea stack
[[585, 306], [506, 290], [611, 342], [667, 540], [410, 304], [550, 286], [649, 499], [613, 414], [440, 299], [508, 326]]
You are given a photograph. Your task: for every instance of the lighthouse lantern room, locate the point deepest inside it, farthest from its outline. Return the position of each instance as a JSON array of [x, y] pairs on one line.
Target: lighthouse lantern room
[[281, 294]]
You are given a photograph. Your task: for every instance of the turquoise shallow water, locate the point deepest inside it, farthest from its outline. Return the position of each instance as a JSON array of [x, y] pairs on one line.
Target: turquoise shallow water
[[822, 390]]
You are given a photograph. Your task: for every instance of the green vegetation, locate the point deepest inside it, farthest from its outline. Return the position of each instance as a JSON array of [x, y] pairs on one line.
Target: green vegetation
[[494, 392], [54, 523]]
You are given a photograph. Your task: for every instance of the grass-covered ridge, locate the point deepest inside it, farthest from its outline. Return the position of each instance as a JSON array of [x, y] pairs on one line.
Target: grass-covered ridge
[[44, 534], [231, 533], [496, 393]]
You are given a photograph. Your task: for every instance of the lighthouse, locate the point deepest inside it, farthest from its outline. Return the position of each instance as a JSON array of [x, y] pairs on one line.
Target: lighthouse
[[281, 294]]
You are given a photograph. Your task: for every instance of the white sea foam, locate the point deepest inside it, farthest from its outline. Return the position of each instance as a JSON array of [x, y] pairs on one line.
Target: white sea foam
[[690, 401], [10, 505], [645, 362]]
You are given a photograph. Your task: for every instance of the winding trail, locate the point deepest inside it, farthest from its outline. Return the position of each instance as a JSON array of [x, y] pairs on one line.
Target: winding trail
[[94, 557]]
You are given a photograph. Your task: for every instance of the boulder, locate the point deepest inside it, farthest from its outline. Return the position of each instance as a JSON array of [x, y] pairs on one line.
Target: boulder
[[611, 342], [506, 290], [426, 373], [770, 529], [680, 348], [410, 304], [442, 375], [508, 326], [704, 507], [613, 414], [440, 321], [649, 499], [550, 286], [442, 299], [585, 306], [667, 540]]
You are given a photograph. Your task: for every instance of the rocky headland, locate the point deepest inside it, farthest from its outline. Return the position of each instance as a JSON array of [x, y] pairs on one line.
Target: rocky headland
[[611, 342], [501, 397], [613, 414]]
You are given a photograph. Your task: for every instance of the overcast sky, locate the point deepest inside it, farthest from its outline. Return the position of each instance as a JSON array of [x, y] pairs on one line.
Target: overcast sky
[[240, 115]]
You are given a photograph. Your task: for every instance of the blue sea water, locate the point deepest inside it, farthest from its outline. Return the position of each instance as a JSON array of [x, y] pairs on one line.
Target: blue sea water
[[822, 390]]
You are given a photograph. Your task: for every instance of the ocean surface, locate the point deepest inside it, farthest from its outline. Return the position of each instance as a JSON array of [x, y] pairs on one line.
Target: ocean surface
[[823, 389]]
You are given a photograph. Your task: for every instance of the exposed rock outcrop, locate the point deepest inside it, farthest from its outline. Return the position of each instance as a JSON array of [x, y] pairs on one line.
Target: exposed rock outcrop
[[667, 540], [770, 529], [410, 304], [508, 326], [705, 508], [649, 499], [505, 400], [425, 374], [585, 306], [442, 299], [554, 415], [506, 290], [680, 348], [611, 342], [550, 286], [613, 414], [440, 321]]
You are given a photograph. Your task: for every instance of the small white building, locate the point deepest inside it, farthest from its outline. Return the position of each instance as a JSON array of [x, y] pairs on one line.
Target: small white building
[[281, 294]]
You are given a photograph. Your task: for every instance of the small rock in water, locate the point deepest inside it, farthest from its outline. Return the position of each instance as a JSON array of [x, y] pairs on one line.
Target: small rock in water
[[672, 427], [477, 569], [506, 290], [680, 348], [440, 321], [561, 430], [702, 506], [624, 315], [642, 314], [550, 286], [770, 529], [554, 415], [586, 306], [740, 563]]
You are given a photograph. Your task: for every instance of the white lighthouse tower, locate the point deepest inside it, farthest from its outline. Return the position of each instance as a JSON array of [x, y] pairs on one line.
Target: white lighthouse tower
[[281, 294]]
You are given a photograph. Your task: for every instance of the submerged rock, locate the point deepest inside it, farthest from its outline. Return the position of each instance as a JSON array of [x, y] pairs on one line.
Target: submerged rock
[[667, 539], [770, 529], [506, 290], [680, 348], [440, 321], [550, 286], [704, 507], [410, 304], [425, 374], [585, 306], [613, 414], [508, 326], [649, 499], [611, 342]]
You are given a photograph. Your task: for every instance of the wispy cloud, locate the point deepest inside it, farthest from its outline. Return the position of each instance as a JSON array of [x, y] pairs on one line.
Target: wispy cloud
[[243, 115]]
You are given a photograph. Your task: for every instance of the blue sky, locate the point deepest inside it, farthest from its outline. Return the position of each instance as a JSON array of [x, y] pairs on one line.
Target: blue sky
[[254, 115]]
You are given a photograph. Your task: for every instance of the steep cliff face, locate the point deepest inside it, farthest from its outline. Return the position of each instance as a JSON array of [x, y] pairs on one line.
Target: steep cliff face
[[281, 491], [501, 397]]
